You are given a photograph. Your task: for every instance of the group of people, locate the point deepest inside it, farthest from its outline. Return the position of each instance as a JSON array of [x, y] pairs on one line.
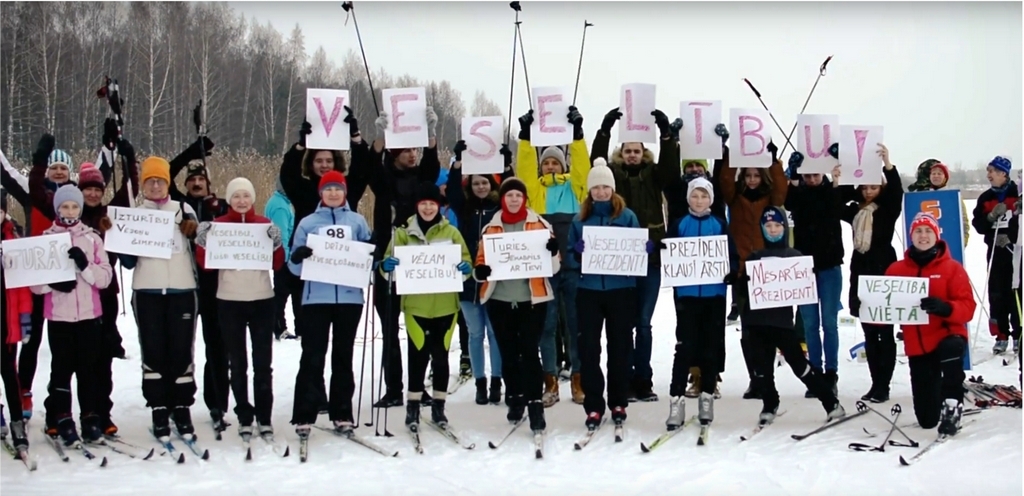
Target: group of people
[[559, 190]]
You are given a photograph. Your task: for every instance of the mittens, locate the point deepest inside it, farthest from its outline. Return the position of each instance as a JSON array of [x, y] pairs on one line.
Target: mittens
[[381, 123], [201, 232], [936, 307], [997, 212], [796, 159], [661, 120], [431, 123], [507, 154], [389, 264], [465, 268], [353, 124], [834, 150], [301, 253], [81, 261], [674, 128], [481, 272], [722, 132], [576, 119], [525, 121], [774, 150], [610, 119], [188, 228], [552, 246], [460, 146]]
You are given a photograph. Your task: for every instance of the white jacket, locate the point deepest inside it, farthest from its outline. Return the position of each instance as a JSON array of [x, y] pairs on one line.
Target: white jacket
[[177, 272]]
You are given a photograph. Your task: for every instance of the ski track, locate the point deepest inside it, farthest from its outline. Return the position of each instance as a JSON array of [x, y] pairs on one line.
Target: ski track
[[769, 464]]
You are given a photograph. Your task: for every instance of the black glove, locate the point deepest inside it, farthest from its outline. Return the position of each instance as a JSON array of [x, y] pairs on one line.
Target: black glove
[[936, 307], [75, 253], [110, 136], [43, 149], [834, 150], [796, 159], [460, 146], [576, 119], [774, 150], [65, 287], [552, 246], [661, 120], [662, 245], [610, 118], [722, 132], [194, 152], [505, 152], [126, 150], [674, 128], [301, 253], [525, 121], [353, 124], [481, 272], [304, 131], [730, 278]]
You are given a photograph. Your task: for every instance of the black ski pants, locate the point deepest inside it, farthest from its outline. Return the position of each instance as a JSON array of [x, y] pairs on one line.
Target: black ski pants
[[518, 327], [936, 377], [434, 335], [763, 341], [1005, 318], [317, 321], [612, 310], [28, 358], [110, 349], [8, 368], [257, 316], [75, 349], [389, 307], [284, 284], [215, 370], [700, 337], [167, 334], [880, 346]]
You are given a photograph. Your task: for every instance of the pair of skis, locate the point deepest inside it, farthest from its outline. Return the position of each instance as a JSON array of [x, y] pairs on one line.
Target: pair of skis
[[267, 438], [190, 440], [445, 429], [22, 454], [348, 434], [538, 439], [585, 440], [664, 438]]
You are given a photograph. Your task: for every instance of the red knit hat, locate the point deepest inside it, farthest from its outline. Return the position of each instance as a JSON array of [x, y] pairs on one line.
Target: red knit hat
[[945, 170], [925, 219], [332, 178], [90, 177]]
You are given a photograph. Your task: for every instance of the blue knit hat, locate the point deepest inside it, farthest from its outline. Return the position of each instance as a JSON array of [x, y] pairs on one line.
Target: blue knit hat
[[1001, 164]]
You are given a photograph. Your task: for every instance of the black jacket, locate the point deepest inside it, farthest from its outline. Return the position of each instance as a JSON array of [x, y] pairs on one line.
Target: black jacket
[[394, 192], [780, 317], [883, 227], [818, 232], [473, 214], [988, 201]]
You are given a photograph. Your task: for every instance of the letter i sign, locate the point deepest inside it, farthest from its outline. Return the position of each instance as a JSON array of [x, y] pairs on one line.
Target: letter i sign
[[325, 112]]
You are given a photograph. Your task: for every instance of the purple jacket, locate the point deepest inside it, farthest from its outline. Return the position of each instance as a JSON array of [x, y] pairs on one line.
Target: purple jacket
[[84, 302]]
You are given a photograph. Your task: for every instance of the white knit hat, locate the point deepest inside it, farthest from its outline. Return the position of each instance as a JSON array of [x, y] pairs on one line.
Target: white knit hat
[[240, 183], [600, 175], [700, 183]]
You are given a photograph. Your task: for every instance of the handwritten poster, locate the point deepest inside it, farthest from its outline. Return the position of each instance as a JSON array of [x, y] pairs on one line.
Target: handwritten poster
[[614, 251], [141, 232], [550, 117], [338, 261], [858, 154], [236, 246], [483, 137], [697, 138], [325, 112], [37, 260], [814, 135], [518, 255], [694, 261], [751, 132], [428, 269], [636, 102], [892, 300], [407, 117], [781, 282]]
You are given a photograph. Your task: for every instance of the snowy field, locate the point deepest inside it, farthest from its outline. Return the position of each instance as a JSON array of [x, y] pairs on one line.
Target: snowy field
[[769, 464]]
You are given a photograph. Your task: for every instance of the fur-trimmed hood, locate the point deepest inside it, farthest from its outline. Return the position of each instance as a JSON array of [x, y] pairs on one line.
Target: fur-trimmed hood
[[618, 160], [307, 162]]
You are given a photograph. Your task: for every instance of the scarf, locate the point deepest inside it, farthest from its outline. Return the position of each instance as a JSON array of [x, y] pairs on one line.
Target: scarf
[[862, 227], [512, 218], [425, 225], [923, 258], [1000, 192], [553, 179]]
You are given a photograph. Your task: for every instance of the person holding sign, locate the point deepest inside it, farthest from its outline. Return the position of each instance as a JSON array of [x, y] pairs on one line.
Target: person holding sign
[[325, 306], [165, 303], [769, 329], [245, 299], [933, 175], [429, 318], [700, 311], [936, 350], [640, 181], [603, 301], [15, 327], [518, 307], [555, 190], [74, 312], [872, 212], [997, 218]]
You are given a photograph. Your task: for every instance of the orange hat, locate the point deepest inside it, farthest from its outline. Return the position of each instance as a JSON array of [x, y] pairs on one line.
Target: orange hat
[[155, 167]]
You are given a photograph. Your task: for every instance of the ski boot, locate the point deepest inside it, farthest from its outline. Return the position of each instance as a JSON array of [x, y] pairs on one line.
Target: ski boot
[[3, 424], [412, 414], [67, 432], [18, 436], [593, 421], [265, 429], [390, 399], [876, 394], [645, 391], [495, 395], [481, 391], [183, 421], [437, 412], [767, 415], [516, 408], [676, 413], [832, 379], [706, 408], [619, 415], [161, 423], [835, 412], [550, 396], [244, 430], [536, 412], [26, 405], [219, 424], [340, 426], [1000, 347], [302, 431], [91, 428], [734, 316], [949, 419], [752, 393], [465, 368]]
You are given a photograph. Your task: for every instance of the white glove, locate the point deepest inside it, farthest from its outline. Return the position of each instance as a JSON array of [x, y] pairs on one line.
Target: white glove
[[381, 123], [431, 123]]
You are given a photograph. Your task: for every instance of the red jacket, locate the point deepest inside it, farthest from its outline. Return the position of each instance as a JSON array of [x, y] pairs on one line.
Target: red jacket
[[18, 301], [948, 282]]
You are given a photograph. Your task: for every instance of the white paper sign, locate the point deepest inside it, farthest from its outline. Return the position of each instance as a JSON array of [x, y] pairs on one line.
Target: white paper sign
[[694, 261], [814, 135], [337, 261], [550, 117], [142, 232], [336, 232], [518, 255], [428, 269], [614, 251], [636, 102], [751, 132], [697, 138], [407, 118], [236, 246], [325, 112], [483, 141], [781, 282], [37, 260], [892, 300], [858, 154]]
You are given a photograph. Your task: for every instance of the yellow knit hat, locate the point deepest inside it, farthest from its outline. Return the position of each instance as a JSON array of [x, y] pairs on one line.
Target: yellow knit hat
[[156, 167]]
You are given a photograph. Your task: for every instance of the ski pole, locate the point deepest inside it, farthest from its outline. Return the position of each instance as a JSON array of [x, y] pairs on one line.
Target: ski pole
[[821, 73], [512, 85], [526, 72], [579, 68], [984, 297], [350, 9], [362, 363], [758, 95]]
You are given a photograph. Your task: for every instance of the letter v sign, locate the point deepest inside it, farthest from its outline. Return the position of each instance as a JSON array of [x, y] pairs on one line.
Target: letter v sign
[[329, 123]]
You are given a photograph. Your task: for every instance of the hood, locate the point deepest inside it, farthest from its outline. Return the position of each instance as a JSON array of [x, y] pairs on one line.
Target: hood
[[307, 162], [321, 209], [617, 156]]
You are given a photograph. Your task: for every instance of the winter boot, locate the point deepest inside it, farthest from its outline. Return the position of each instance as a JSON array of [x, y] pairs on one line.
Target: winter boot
[[877, 394], [619, 415], [495, 396], [516, 408], [832, 379], [770, 404], [342, 426], [266, 430], [645, 390], [706, 408], [1001, 344], [183, 421], [767, 415], [576, 384], [412, 414], [734, 316], [694, 390], [219, 425], [18, 437], [437, 413], [752, 393], [536, 411], [26, 405], [161, 422], [67, 432], [481, 391], [91, 428], [244, 430], [949, 418], [550, 391], [390, 399], [835, 411], [593, 420], [676, 413]]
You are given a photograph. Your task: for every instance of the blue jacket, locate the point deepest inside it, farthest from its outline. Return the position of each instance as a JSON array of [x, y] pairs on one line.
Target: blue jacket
[[692, 226], [280, 211], [314, 293], [600, 216]]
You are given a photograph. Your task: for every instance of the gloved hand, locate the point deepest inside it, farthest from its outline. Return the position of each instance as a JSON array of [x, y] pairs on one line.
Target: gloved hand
[[661, 120], [188, 227], [431, 123], [1003, 240], [46, 145], [834, 150], [465, 268], [722, 132], [274, 233], [381, 123], [997, 213], [674, 128], [662, 245], [353, 124], [936, 307], [576, 119], [796, 159], [109, 137], [196, 149], [482, 272], [774, 150], [25, 320], [610, 119], [552, 246], [730, 278], [651, 246], [525, 121], [301, 253], [579, 246], [460, 146], [126, 150], [81, 261], [104, 224], [305, 130], [65, 287], [507, 154], [201, 232], [389, 264]]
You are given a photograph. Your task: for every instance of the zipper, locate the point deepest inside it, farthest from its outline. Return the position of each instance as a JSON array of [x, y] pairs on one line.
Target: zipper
[[920, 340]]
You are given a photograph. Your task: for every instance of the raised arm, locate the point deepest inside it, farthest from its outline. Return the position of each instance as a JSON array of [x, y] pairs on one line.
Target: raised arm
[[38, 193], [14, 182], [726, 177], [129, 175], [599, 148], [579, 168]]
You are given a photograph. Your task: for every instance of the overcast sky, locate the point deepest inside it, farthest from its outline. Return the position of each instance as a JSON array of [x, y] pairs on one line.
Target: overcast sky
[[944, 79]]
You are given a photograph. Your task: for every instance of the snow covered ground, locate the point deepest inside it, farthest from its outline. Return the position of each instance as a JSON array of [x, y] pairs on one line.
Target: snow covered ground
[[769, 464]]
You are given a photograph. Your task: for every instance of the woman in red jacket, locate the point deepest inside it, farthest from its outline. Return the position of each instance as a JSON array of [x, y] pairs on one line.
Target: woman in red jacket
[[15, 327], [936, 350]]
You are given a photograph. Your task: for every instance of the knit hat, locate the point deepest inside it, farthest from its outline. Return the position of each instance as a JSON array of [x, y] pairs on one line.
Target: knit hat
[[90, 177], [60, 157], [555, 153], [66, 193], [600, 176], [197, 170], [1001, 164], [945, 170], [240, 184], [772, 214], [512, 183], [700, 183], [428, 192], [925, 219], [698, 161], [155, 167], [332, 178]]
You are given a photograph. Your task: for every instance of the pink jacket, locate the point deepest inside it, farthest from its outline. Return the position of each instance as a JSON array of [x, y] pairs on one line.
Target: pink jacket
[[84, 302]]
